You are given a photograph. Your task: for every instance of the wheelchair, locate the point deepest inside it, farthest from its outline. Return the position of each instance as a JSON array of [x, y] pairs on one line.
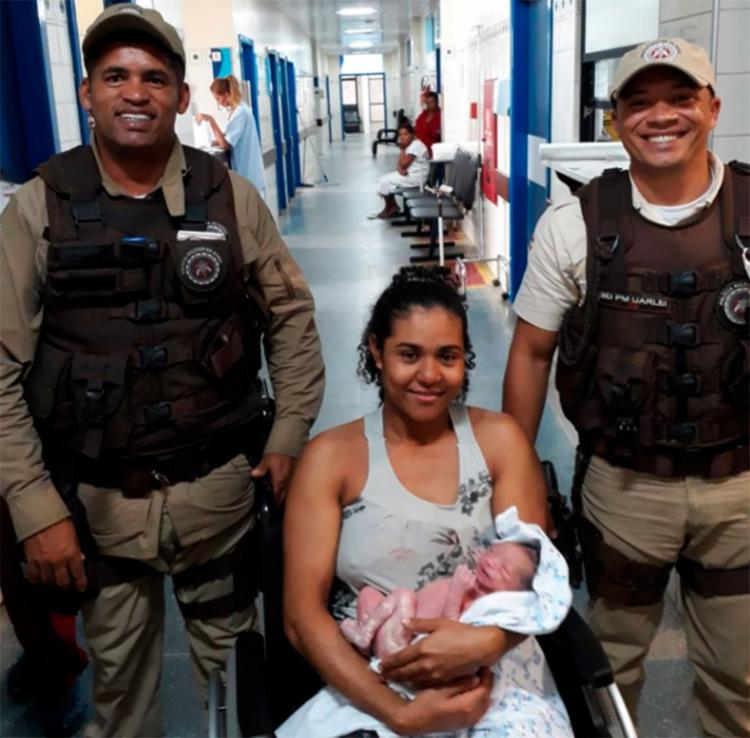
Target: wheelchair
[[389, 136], [266, 680]]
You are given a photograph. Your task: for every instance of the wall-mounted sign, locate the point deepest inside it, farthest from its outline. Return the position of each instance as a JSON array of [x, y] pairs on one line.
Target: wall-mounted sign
[[221, 61], [489, 155]]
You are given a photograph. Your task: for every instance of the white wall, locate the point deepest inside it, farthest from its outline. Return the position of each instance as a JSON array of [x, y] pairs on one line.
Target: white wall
[[696, 21], [64, 93], [475, 43], [566, 79]]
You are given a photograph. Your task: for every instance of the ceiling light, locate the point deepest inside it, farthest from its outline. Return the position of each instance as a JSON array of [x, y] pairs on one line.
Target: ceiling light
[[360, 44], [359, 31], [352, 11]]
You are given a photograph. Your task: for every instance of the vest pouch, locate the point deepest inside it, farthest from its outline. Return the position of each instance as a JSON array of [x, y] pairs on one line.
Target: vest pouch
[[226, 350], [735, 376], [576, 365], [202, 269], [99, 385], [572, 336], [626, 381], [92, 284], [576, 385], [49, 372]]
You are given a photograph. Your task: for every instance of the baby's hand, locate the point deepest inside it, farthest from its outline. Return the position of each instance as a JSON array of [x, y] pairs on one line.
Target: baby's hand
[[464, 576]]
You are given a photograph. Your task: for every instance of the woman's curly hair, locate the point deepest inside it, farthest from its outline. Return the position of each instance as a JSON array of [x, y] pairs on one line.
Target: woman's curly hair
[[411, 288]]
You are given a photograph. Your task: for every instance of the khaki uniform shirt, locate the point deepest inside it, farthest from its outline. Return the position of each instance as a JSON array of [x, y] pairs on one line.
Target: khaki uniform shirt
[[200, 509], [555, 277]]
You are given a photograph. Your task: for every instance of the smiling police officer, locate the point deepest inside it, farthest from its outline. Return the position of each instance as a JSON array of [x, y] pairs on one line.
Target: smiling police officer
[[139, 280], [642, 280]]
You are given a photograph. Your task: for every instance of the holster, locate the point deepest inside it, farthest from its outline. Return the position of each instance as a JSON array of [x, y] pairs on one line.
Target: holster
[[609, 573]]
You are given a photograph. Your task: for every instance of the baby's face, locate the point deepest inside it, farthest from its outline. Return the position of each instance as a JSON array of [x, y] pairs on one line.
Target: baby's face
[[505, 567]]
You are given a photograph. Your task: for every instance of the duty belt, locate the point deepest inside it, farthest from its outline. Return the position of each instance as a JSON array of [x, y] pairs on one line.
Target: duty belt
[[138, 476]]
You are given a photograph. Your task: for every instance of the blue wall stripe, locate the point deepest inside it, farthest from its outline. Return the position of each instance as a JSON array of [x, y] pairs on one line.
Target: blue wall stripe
[[530, 97]]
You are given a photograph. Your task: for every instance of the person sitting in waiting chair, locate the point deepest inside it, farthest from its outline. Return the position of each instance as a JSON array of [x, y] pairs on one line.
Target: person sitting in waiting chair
[[413, 168], [427, 126]]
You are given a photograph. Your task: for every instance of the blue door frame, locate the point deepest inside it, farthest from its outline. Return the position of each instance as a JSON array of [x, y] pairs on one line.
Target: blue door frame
[[438, 71], [358, 75], [286, 127], [328, 104], [249, 67], [530, 115], [274, 90], [291, 76]]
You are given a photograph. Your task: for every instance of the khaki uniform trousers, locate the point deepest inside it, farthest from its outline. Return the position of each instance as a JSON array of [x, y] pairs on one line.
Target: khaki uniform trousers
[[124, 629], [654, 520]]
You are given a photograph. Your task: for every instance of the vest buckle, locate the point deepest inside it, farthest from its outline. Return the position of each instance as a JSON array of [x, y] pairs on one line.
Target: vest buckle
[[139, 249], [85, 212], [608, 245], [159, 413], [682, 334], [682, 283], [682, 384], [93, 406], [153, 357], [148, 311], [685, 433]]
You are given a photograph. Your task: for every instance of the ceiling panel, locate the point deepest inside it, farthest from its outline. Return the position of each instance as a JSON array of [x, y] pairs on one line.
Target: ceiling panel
[[333, 33]]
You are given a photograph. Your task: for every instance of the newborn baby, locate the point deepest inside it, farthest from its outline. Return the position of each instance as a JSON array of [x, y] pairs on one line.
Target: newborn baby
[[503, 567]]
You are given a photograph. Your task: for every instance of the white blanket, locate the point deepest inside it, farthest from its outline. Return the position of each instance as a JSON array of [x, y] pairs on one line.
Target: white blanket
[[524, 701]]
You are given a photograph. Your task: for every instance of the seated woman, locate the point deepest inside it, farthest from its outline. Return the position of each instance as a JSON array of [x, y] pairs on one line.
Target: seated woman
[[400, 498], [427, 126], [413, 168]]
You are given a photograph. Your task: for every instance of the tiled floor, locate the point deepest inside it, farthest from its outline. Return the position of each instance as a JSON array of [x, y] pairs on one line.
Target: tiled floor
[[348, 260]]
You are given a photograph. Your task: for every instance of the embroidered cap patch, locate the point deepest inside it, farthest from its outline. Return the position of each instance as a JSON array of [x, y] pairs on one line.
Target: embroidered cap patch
[[661, 51]]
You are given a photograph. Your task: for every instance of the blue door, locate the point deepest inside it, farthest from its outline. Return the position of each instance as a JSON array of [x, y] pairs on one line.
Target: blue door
[[294, 117], [286, 127], [249, 67], [274, 91], [28, 126], [531, 94], [328, 105]]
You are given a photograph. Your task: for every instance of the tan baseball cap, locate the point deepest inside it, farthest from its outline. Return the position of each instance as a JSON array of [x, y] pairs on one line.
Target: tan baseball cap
[[677, 53], [131, 17]]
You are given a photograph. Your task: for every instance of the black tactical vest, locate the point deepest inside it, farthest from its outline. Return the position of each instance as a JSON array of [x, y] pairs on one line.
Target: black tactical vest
[[150, 346], [653, 367]]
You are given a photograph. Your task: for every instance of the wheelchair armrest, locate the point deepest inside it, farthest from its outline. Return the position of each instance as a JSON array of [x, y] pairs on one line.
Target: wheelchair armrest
[[575, 645]]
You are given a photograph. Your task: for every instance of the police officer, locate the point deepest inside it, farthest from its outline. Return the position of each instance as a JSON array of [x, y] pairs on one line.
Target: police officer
[[138, 278], [642, 281]]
